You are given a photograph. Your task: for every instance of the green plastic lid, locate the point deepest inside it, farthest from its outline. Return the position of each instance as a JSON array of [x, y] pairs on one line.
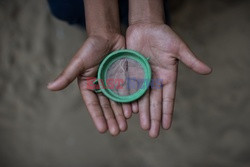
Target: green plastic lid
[[124, 76]]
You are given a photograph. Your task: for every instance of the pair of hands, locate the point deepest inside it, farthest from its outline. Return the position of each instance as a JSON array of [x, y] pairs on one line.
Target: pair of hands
[[153, 40]]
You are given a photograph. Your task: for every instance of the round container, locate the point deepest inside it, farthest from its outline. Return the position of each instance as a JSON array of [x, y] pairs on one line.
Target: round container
[[123, 76]]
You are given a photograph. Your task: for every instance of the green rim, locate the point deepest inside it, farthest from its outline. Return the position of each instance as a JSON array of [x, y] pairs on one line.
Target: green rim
[[109, 60]]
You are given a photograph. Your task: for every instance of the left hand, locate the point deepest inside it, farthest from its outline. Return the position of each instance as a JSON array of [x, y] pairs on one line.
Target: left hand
[[164, 48]]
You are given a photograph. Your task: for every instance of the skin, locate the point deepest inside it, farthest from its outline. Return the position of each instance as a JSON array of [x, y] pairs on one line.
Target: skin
[[104, 36], [148, 35]]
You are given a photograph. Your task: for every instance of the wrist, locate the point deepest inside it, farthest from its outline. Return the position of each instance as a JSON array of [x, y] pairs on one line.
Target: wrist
[[105, 31], [102, 17], [146, 11], [146, 21]]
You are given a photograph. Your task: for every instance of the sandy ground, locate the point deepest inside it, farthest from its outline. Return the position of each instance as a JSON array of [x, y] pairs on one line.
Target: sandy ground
[[41, 128]]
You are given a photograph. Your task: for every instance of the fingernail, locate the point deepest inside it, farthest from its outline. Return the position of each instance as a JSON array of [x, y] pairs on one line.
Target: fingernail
[[49, 84]]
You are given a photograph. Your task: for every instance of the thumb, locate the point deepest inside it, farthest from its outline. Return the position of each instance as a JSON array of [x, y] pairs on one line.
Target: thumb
[[67, 76], [189, 59], [74, 68]]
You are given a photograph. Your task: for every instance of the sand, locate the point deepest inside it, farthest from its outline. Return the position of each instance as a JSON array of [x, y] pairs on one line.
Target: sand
[[42, 128]]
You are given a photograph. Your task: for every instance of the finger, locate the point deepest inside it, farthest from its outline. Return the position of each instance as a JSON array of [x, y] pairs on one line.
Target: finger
[[74, 68], [135, 107], [94, 108], [117, 108], [109, 115], [68, 75], [127, 110], [168, 98], [155, 111], [144, 111], [189, 59]]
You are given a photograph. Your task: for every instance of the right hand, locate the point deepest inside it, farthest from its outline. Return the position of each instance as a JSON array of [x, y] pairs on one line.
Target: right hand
[[105, 113]]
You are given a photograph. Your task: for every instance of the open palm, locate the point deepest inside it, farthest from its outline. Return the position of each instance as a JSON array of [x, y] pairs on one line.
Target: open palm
[[105, 113], [164, 48]]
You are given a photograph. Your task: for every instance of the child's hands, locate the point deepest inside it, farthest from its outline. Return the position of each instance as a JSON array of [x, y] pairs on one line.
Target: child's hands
[[105, 113], [164, 48]]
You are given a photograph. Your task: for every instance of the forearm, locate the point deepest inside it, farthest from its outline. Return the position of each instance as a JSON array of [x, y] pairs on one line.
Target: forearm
[[146, 11], [102, 17]]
